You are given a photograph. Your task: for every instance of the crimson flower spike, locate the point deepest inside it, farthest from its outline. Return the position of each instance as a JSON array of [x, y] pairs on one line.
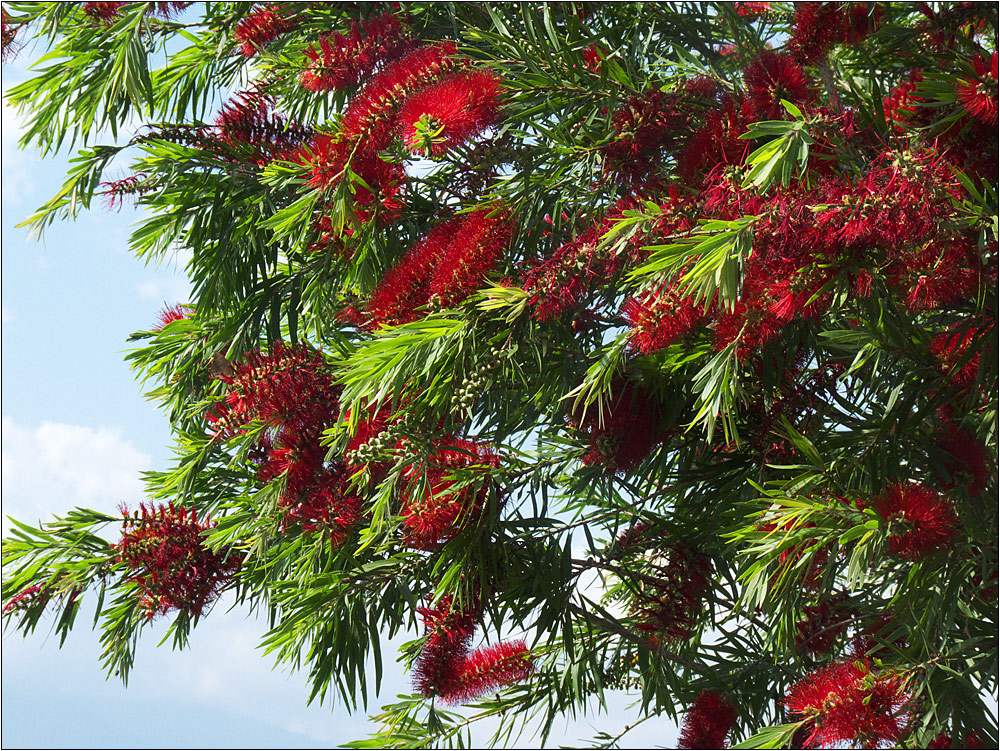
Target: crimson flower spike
[[446, 114], [707, 723]]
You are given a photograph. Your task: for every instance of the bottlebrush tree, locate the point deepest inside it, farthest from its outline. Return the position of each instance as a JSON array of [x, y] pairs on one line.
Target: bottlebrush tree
[[643, 347]]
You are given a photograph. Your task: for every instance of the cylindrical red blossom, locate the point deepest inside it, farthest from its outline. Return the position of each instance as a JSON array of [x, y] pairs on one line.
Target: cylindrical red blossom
[[661, 317], [934, 275], [251, 132], [449, 112], [289, 388], [957, 350], [27, 598], [449, 631], [644, 126], [979, 95], [326, 505], [822, 624], [9, 46], [965, 460], [845, 702], [707, 722], [343, 60], [774, 76], [921, 521], [489, 669], [106, 12], [262, 25], [624, 433], [480, 240], [820, 26], [369, 116], [717, 142], [669, 607], [406, 286], [163, 549], [440, 511], [752, 10]]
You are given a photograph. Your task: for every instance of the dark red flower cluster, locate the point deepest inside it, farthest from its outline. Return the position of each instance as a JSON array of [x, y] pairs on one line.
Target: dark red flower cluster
[[447, 670], [444, 267], [344, 60], [822, 624], [252, 132], [661, 317], [708, 720], [262, 25], [291, 390], [109, 12], [965, 460], [845, 702], [972, 741], [921, 521], [821, 26], [621, 435], [649, 124], [449, 112], [446, 492], [774, 76], [669, 606], [570, 276], [957, 350], [164, 551]]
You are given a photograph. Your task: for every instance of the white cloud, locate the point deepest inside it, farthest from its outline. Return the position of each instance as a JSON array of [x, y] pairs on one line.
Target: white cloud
[[53, 467]]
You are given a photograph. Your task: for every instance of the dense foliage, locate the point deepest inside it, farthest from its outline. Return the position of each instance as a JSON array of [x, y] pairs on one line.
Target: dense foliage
[[635, 346]]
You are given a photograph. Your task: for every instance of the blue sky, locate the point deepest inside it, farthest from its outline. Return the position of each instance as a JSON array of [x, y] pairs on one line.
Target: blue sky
[[78, 432]]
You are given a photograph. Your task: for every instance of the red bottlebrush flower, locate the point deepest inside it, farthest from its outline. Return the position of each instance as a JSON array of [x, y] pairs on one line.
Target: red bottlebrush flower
[[979, 95], [449, 631], [669, 607], [921, 521], [480, 239], [661, 317], [162, 548], [262, 25], [957, 351], [820, 26], [901, 107], [876, 639], [168, 315], [371, 425], [644, 126], [972, 740], [707, 723], [289, 388], [752, 10], [406, 286], [449, 112], [933, 277], [381, 185], [822, 624], [369, 116], [774, 76], [489, 669], [846, 703], [625, 433], [966, 460], [326, 505], [106, 12], [717, 142], [344, 60], [438, 511]]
